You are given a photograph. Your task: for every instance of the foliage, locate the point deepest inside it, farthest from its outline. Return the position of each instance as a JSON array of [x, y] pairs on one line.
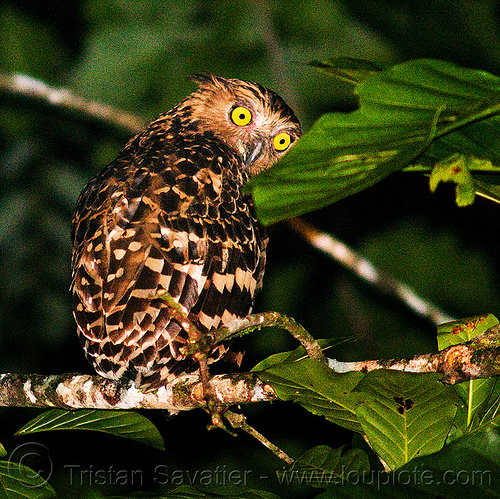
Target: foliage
[[403, 111], [137, 54], [126, 424]]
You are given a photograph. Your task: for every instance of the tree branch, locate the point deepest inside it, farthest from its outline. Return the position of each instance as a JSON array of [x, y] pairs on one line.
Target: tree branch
[[20, 85], [474, 359], [81, 391], [477, 358], [364, 269]]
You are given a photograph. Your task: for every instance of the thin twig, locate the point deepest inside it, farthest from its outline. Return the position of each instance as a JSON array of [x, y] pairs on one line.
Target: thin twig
[[245, 325], [362, 267], [24, 86], [239, 421]]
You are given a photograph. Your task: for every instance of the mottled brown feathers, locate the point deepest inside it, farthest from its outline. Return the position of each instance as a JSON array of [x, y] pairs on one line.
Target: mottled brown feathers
[[169, 214]]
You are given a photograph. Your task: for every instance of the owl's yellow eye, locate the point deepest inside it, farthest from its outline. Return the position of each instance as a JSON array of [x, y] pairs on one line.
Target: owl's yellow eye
[[241, 116], [282, 141]]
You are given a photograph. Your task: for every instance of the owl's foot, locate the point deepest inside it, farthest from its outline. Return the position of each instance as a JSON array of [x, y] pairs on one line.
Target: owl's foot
[[198, 347], [213, 406]]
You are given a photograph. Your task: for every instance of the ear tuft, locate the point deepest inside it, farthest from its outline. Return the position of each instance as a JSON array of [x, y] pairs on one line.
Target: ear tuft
[[200, 78], [205, 79]]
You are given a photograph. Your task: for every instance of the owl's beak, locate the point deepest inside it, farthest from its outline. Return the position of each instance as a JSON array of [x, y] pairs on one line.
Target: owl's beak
[[253, 154]]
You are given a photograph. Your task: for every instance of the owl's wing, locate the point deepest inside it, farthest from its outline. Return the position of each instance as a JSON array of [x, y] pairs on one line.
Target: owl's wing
[[143, 246]]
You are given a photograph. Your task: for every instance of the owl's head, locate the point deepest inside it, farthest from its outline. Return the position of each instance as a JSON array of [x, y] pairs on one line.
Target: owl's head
[[254, 121]]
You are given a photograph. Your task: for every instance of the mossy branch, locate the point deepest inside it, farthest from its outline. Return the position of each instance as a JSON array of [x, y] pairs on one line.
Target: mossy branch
[[81, 391]]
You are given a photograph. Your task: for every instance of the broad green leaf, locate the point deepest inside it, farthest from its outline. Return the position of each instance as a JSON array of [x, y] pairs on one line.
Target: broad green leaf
[[453, 333], [402, 110], [18, 481], [407, 415], [322, 466], [318, 389], [339, 156], [474, 393], [468, 467], [479, 411], [126, 424], [489, 412]]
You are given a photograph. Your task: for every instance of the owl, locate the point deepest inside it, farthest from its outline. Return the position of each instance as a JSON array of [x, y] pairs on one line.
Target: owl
[[169, 215]]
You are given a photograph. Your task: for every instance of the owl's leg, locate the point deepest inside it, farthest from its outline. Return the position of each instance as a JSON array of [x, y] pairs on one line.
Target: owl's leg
[[198, 347], [214, 408]]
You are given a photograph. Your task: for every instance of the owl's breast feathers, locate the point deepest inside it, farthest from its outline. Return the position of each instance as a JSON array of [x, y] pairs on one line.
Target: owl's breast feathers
[[166, 215]]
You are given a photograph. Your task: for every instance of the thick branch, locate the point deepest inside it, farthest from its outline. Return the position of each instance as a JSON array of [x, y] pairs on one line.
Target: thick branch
[[77, 391], [477, 358]]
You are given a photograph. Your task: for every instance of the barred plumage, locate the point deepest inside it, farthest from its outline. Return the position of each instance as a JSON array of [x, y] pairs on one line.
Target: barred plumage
[[168, 214]]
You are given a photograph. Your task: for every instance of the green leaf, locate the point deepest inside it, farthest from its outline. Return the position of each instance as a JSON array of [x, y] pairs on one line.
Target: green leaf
[[322, 466], [463, 330], [474, 393], [339, 156], [455, 169], [18, 481], [297, 354], [402, 110], [407, 415], [318, 389], [468, 467], [489, 412], [126, 424]]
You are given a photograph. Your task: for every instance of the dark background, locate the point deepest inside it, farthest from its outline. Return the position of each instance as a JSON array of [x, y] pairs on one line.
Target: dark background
[[137, 55]]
